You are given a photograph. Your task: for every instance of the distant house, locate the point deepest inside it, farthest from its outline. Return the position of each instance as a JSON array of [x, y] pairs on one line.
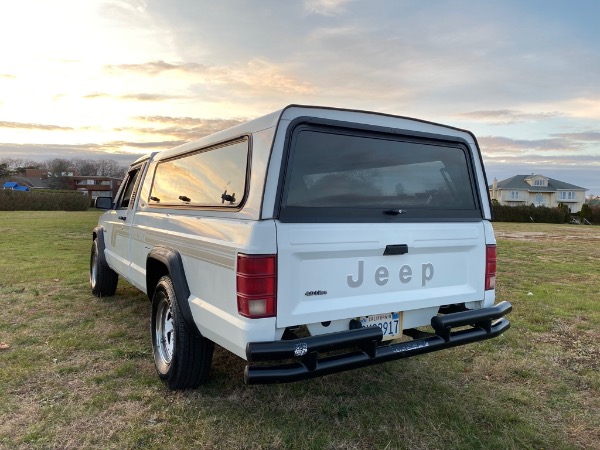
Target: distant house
[[37, 178], [14, 186], [93, 186], [537, 190]]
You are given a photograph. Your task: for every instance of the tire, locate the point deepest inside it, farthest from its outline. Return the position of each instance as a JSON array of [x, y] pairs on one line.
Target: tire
[[182, 356], [102, 278]]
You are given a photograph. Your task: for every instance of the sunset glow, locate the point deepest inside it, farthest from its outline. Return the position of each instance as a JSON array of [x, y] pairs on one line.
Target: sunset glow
[[119, 78]]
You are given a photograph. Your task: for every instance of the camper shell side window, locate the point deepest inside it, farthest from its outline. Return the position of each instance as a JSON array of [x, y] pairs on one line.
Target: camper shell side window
[[214, 177]]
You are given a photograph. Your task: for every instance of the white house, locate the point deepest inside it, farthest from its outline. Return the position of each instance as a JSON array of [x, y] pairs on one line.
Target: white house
[[537, 190]]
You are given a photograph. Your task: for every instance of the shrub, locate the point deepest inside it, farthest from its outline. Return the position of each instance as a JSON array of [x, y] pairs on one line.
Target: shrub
[[541, 214], [586, 212], [566, 210], [595, 215], [43, 201]]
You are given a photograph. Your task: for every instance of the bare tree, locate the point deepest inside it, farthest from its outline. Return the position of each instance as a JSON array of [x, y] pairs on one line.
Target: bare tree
[[592, 199], [18, 165], [85, 167], [58, 172], [109, 168], [60, 169]]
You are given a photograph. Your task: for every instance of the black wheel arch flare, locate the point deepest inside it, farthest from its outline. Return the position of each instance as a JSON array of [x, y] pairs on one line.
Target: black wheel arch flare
[[98, 235], [167, 261]]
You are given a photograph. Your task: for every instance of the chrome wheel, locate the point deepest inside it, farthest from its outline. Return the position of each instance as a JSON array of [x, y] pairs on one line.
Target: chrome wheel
[[182, 357], [165, 332], [94, 268]]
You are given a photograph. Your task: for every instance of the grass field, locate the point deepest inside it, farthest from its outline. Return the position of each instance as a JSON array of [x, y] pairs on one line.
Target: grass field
[[77, 371]]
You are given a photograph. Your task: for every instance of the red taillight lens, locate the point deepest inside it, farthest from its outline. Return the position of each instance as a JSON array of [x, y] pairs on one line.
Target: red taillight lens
[[256, 285], [490, 267]]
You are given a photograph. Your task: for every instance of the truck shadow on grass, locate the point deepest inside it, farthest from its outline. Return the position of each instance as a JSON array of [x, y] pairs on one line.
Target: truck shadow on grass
[[490, 395], [395, 405], [472, 397]]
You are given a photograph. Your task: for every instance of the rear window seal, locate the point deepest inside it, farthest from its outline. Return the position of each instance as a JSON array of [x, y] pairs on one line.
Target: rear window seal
[[292, 214]]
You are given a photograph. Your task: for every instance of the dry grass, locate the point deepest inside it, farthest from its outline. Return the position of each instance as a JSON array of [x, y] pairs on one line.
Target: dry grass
[[78, 372]]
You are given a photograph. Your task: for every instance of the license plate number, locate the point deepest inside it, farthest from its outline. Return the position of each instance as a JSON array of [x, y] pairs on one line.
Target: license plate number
[[390, 324]]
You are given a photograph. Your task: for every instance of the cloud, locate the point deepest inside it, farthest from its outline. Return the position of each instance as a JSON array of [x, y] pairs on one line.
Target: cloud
[[586, 136], [184, 128], [506, 116], [325, 7], [158, 67], [33, 126], [44, 152], [549, 160], [152, 146], [98, 95], [264, 76], [256, 75], [504, 144], [142, 97], [145, 97], [124, 151], [581, 146]]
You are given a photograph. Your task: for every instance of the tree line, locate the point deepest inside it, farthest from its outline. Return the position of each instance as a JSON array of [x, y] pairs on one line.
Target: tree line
[[84, 167], [12, 169]]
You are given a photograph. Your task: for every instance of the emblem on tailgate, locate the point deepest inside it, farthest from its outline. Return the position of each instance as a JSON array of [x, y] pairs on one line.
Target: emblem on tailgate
[[382, 275], [311, 293]]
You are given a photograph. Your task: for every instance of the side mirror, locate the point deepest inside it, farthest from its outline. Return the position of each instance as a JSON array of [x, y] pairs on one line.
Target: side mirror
[[103, 202]]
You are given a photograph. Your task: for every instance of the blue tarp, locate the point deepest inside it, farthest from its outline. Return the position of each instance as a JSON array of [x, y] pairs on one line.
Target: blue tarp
[[13, 185]]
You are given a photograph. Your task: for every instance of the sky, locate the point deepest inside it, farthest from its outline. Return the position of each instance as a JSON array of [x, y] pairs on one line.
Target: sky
[[119, 78]]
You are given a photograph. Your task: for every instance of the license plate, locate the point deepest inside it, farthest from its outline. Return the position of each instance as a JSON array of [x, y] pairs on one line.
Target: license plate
[[390, 324]]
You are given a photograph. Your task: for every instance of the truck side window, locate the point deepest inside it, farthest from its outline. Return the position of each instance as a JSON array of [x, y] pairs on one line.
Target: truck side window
[[212, 177], [127, 194]]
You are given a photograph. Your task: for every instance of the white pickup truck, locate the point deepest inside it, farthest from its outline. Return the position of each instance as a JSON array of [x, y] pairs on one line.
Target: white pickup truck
[[309, 241]]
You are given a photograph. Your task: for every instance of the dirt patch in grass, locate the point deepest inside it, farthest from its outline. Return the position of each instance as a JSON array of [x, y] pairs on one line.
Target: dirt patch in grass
[[579, 350], [589, 233]]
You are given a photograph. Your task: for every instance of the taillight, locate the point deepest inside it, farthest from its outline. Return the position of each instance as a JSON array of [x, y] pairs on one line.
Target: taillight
[[490, 267], [256, 285]]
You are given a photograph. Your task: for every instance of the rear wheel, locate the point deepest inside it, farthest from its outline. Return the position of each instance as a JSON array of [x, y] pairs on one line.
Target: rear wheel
[[102, 278], [182, 357]]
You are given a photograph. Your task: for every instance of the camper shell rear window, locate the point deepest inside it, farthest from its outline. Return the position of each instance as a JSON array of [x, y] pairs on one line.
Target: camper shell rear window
[[343, 174]]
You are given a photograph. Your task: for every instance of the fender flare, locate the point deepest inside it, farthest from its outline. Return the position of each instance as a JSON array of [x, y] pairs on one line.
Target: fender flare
[[171, 259], [98, 235]]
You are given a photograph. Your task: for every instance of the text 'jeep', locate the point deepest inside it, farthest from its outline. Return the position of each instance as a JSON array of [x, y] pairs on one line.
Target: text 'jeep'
[[309, 241]]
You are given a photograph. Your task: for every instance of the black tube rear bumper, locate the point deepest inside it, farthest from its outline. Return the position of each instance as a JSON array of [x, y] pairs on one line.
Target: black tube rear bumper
[[486, 323]]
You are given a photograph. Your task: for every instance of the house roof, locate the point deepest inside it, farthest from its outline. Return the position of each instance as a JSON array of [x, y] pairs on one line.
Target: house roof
[[14, 186], [518, 183], [37, 183]]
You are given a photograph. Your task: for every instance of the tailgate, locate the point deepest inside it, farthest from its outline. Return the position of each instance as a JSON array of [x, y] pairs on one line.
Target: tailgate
[[338, 271]]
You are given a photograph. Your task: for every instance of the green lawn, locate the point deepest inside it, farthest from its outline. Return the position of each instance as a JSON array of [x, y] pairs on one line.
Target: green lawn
[[78, 370]]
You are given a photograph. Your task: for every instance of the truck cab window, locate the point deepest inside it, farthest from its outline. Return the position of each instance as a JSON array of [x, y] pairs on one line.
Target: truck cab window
[[127, 194]]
